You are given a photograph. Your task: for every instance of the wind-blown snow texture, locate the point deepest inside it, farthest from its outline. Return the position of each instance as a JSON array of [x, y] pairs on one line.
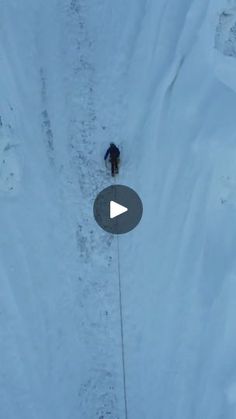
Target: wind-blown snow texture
[[158, 78]]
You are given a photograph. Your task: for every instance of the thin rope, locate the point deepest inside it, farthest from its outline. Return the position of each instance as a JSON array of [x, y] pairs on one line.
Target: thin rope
[[121, 324], [122, 331]]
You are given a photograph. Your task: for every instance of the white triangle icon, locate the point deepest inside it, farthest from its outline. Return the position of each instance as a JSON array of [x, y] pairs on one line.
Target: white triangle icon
[[116, 209]]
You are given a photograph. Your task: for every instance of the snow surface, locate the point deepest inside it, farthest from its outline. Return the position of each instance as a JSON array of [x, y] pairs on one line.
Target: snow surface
[[158, 78]]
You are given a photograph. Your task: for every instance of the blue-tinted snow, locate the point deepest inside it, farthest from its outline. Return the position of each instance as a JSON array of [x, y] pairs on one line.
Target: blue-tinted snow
[[158, 78]]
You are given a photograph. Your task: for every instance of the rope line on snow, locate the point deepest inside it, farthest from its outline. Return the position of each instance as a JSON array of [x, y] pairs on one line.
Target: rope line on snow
[[122, 330], [121, 324]]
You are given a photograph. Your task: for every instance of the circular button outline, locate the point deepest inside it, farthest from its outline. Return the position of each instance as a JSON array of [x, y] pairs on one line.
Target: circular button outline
[[123, 195]]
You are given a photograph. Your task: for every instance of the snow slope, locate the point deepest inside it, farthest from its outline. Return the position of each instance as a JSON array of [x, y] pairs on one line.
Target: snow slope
[[158, 79]]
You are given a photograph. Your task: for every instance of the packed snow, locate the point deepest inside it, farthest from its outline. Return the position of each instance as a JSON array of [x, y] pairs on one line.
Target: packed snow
[[158, 78]]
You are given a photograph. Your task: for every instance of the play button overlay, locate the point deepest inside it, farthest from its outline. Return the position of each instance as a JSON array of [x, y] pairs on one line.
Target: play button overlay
[[118, 209]]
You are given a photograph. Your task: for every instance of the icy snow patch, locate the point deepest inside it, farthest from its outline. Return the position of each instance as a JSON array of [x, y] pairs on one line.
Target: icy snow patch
[[224, 57], [10, 175], [225, 38], [218, 37]]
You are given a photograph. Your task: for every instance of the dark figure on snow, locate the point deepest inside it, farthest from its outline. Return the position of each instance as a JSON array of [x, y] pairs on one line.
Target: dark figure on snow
[[114, 153]]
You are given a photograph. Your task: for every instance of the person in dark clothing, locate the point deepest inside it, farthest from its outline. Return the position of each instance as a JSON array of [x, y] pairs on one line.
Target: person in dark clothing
[[114, 153]]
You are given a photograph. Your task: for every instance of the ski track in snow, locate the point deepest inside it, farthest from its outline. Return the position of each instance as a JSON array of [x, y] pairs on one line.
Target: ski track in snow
[[157, 78]]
